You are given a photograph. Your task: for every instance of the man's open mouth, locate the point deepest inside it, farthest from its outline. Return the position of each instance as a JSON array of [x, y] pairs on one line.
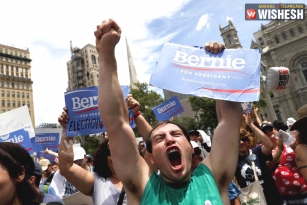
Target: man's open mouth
[[174, 156]]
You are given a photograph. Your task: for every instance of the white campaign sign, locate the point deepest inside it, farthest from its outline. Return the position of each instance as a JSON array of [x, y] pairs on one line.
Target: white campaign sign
[[16, 119]]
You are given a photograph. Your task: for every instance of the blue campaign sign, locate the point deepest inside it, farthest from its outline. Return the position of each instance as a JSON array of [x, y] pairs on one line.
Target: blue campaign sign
[[42, 141], [168, 109], [232, 75], [84, 116], [21, 137]]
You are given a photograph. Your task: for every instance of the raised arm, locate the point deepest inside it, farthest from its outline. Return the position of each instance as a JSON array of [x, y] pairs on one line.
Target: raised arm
[[75, 174], [255, 110], [113, 111], [50, 152], [223, 157], [267, 144]]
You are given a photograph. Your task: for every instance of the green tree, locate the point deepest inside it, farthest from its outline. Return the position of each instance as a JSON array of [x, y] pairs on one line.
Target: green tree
[[148, 99], [205, 112], [91, 143], [188, 122]]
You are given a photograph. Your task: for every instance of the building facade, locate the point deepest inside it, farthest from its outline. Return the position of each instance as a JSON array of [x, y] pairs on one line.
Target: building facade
[[82, 68], [15, 79], [283, 44]]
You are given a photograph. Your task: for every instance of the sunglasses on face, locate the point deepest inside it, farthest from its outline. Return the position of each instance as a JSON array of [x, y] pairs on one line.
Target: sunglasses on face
[[244, 139], [196, 152]]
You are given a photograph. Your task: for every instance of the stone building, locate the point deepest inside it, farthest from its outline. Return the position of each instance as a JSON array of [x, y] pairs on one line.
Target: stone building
[[282, 43], [15, 79]]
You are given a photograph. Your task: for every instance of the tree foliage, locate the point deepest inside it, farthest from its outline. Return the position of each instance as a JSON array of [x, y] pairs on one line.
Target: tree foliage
[[188, 122], [148, 99], [204, 108]]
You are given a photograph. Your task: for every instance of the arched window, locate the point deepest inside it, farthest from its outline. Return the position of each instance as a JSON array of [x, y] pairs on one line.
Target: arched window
[[7, 84], [18, 104], [17, 85], [93, 59], [2, 84], [300, 30], [27, 95], [292, 33], [229, 39], [22, 86], [284, 36], [13, 103], [27, 86], [23, 103], [7, 93], [301, 66], [23, 95], [2, 93], [13, 85], [18, 94], [276, 39], [28, 104], [13, 94], [8, 103], [3, 102]]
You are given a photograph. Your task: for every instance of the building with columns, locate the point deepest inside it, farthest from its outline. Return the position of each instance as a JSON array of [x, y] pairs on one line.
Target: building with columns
[[282, 43], [15, 79]]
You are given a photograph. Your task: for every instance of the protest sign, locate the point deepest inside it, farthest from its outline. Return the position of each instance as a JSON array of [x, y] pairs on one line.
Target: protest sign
[[16, 119], [49, 138], [84, 116], [233, 74], [247, 105], [78, 199], [20, 137], [170, 108]]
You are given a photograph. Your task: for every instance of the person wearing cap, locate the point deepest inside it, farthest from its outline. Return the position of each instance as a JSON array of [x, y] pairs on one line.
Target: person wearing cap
[[244, 173], [204, 140], [35, 181], [194, 136], [47, 172], [197, 156], [16, 168]]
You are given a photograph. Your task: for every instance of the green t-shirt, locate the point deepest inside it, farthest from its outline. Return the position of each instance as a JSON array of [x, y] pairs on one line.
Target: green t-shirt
[[200, 190]]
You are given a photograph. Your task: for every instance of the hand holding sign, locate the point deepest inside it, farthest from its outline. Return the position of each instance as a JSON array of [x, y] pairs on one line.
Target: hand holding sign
[[214, 47], [133, 104], [63, 119], [277, 78]]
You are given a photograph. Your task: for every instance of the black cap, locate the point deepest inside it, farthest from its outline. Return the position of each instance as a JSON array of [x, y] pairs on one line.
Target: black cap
[[279, 125], [265, 126], [194, 132], [38, 169]]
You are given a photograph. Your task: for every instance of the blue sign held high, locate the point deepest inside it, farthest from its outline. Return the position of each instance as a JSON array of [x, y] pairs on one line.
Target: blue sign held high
[[232, 75], [20, 137], [168, 109], [84, 116], [45, 140]]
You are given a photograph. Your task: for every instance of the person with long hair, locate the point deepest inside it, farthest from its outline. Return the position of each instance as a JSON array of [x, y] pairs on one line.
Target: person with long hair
[[16, 168]]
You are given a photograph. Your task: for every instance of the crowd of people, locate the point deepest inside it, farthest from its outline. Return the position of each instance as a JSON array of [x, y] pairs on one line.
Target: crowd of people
[[171, 165]]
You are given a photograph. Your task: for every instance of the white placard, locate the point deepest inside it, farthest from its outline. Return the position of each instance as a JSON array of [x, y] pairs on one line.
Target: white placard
[[15, 120]]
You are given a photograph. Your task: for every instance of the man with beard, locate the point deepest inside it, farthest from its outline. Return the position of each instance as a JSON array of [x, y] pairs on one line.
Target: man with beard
[[167, 143]]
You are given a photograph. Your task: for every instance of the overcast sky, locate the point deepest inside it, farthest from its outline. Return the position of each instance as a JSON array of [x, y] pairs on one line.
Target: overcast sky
[[47, 27]]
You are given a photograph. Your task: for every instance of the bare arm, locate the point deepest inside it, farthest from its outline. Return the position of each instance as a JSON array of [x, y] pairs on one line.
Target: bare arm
[[276, 154], [225, 145], [267, 146], [50, 152], [75, 174], [301, 159], [113, 111], [257, 117]]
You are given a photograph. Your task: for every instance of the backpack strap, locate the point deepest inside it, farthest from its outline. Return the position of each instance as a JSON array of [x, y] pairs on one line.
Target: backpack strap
[[121, 197]]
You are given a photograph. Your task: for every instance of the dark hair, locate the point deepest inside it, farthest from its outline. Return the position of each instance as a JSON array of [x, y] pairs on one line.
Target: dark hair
[[141, 142], [279, 125], [148, 138], [302, 136], [37, 179], [100, 161], [16, 159]]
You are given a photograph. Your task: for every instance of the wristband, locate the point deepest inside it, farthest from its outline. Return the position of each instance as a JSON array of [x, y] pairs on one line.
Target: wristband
[[137, 114]]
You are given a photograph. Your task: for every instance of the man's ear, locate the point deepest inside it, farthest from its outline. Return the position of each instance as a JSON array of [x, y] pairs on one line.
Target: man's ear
[[151, 158], [21, 175], [32, 180]]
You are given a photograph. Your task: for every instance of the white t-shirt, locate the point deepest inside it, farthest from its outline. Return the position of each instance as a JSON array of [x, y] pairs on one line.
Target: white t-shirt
[[57, 184], [105, 192]]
